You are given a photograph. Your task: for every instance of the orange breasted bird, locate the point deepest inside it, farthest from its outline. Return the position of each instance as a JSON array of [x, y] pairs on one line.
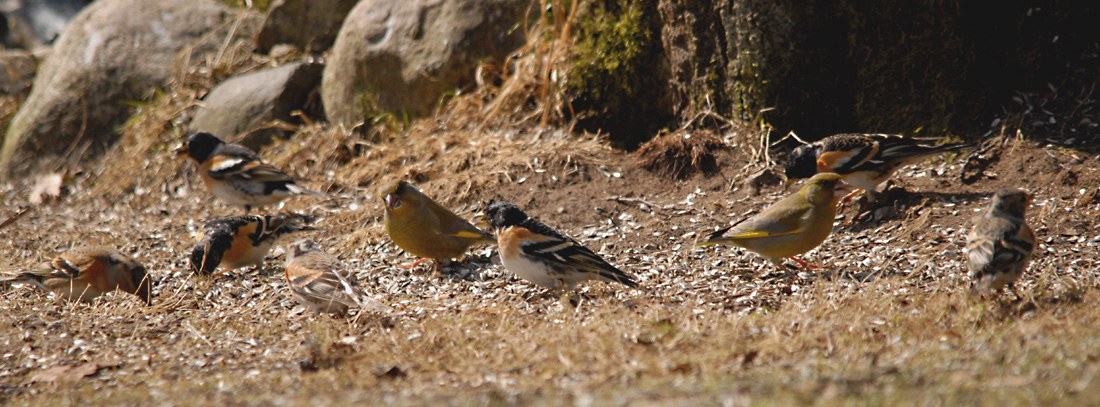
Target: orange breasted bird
[[238, 176], [86, 272], [237, 241], [539, 254]]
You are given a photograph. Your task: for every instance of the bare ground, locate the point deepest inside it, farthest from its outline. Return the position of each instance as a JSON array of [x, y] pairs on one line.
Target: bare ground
[[888, 322]]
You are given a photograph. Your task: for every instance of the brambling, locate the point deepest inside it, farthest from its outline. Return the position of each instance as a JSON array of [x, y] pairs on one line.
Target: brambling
[[863, 160], [419, 225], [238, 241], [237, 175], [999, 247], [542, 255], [793, 226], [86, 272], [320, 281]]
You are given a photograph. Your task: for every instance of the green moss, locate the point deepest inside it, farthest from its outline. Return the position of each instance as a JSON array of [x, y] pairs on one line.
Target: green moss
[[617, 75]]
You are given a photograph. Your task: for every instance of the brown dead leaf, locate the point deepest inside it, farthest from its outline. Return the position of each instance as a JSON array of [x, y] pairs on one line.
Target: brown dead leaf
[[48, 188], [65, 374]]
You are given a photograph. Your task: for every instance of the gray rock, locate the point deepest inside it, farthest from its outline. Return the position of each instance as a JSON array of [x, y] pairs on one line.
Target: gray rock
[[248, 102], [401, 56], [115, 50], [34, 23], [307, 24]]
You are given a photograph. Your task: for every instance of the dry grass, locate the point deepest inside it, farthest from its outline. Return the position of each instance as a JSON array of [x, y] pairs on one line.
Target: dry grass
[[890, 323], [681, 154]]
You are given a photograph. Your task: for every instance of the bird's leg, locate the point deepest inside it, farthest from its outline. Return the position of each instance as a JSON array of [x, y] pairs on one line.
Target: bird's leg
[[576, 299], [866, 208], [847, 199], [417, 263], [843, 204], [804, 264], [1012, 288]]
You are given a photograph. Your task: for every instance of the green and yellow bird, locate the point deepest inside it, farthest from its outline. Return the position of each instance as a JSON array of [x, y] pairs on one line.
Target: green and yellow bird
[[420, 226], [793, 226]]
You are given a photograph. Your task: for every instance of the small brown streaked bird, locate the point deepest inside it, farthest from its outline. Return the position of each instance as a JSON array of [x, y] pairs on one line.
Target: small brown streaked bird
[[537, 253], [420, 226], [86, 272], [999, 248], [233, 242], [793, 226], [863, 160], [320, 281], [238, 176]]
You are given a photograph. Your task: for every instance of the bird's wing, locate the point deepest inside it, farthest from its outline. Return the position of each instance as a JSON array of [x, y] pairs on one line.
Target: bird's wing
[[452, 225], [312, 279], [243, 167], [543, 243], [845, 153], [780, 219], [1004, 245], [897, 150]]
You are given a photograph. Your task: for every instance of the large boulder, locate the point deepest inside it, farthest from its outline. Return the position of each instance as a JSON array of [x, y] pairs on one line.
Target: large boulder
[[308, 24], [401, 56], [34, 23], [113, 51], [248, 103]]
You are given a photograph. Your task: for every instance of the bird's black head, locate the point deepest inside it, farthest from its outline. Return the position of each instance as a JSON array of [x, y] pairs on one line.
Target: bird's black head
[[199, 146], [801, 163], [204, 262], [503, 214]]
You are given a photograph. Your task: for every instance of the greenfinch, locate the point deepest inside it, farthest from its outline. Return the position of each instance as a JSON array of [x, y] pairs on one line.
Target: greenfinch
[[999, 247], [863, 160], [420, 226], [793, 226]]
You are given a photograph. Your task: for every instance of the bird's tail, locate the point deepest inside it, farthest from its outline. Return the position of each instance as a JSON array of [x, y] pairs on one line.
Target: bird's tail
[[619, 276], [357, 295], [19, 277], [288, 222], [300, 190], [913, 152], [715, 238]]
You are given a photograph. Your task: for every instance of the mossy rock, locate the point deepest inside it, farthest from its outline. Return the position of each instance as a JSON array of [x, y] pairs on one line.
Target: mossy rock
[[618, 76]]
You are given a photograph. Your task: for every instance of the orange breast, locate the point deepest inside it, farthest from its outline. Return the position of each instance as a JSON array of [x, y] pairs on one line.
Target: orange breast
[[242, 245]]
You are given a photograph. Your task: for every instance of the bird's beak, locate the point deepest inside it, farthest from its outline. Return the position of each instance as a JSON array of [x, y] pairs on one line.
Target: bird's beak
[[392, 201], [789, 181], [480, 221], [843, 189], [181, 150]]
